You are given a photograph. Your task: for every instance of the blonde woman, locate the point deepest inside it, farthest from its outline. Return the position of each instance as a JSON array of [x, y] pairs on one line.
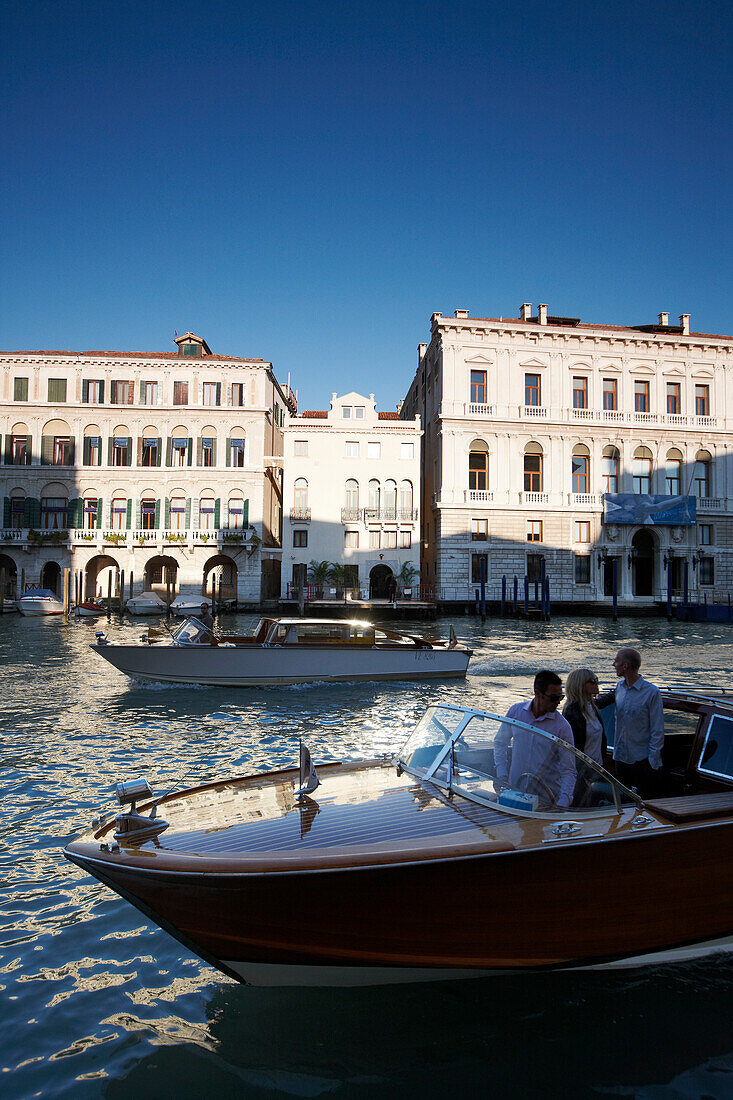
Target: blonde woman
[[581, 689]]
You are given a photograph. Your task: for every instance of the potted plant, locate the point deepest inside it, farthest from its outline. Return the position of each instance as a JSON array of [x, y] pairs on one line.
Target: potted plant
[[405, 578], [318, 574]]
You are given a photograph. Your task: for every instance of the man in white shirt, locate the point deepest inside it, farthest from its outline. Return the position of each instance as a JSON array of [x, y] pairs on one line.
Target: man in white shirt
[[639, 736], [537, 765]]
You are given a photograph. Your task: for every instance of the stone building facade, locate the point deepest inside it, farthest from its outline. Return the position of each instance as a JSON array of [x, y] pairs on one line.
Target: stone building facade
[[166, 467], [556, 447], [351, 494]]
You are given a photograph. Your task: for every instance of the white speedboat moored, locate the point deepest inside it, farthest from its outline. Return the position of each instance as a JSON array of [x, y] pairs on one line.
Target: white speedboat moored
[[40, 601], [147, 603], [287, 651], [184, 606]]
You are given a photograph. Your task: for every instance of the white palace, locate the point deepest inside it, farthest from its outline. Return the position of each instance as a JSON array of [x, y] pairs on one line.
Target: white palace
[[535, 446]]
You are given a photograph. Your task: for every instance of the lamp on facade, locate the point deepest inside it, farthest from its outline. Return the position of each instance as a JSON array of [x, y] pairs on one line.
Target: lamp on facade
[[668, 558], [631, 556], [602, 556], [697, 557]]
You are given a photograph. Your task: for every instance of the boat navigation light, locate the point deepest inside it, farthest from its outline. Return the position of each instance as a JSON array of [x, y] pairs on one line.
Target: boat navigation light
[[132, 790], [132, 826]]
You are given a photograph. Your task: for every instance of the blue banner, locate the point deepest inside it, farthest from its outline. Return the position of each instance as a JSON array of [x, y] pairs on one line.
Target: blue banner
[[659, 510]]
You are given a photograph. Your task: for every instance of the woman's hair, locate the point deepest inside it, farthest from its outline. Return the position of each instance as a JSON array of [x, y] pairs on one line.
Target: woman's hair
[[574, 685]]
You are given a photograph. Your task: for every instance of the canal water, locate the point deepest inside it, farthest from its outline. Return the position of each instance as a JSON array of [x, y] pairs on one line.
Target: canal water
[[97, 1002]]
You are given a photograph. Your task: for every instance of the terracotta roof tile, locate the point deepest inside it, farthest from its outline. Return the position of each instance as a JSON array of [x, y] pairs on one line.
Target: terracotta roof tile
[[388, 415], [145, 355], [313, 414], [585, 326]]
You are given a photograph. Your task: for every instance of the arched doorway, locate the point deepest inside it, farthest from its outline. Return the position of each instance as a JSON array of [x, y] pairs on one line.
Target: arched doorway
[[160, 572], [380, 582], [51, 577], [642, 549], [223, 570], [9, 569], [101, 577]]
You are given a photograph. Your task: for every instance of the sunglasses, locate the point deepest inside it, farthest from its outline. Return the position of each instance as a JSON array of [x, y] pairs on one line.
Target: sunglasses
[[553, 697]]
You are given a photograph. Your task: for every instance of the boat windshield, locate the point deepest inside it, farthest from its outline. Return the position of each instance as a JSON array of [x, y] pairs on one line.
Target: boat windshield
[[189, 632], [508, 764]]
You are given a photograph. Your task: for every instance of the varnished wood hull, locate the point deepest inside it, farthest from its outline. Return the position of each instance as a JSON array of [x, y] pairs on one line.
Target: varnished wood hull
[[568, 905]]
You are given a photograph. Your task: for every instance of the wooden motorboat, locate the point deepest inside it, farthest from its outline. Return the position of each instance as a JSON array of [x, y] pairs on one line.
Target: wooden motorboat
[[40, 601], [287, 651], [431, 865], [147, 603], [90, 609]]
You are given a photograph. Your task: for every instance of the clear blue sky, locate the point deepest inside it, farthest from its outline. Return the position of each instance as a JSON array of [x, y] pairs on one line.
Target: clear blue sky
[[308, 182]]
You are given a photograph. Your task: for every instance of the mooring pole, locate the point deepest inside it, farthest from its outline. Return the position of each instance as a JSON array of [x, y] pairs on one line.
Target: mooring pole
[[516, 595], [614, 587], [503, 596]]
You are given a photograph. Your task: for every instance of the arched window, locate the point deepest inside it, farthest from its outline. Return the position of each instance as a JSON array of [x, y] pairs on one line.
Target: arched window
[[673, 472], [207, 508], [54, 506], [533, 479], [478, 465], [17, 509], [703, 466], [406, 500], [390, 500], [374, 495], [178, 512], [609, 469], [236, 512], [118, 515], [642, 470], [300, 498], [352, 498], [580, 469]]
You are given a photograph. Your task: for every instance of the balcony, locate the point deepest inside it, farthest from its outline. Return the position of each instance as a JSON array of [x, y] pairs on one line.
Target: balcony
[[352, 515], [159, 539], [390, 515], [568, 415], [478, 496], [300, 515]]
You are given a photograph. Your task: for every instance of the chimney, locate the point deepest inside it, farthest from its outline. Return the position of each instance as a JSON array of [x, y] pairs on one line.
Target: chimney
[[525, 312], [685, 323], [463, 313], [664, 319], [542, 314]]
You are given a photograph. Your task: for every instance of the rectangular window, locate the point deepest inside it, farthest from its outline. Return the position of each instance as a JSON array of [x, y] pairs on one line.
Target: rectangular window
[[211, 393], [531, 389], [610, 394], [351, 540], [238, 394], [346, 412], [119, 513], [122, 393], [53, 513], [407, 451], [19, 452], [179, 452], [706, 534], [149, 393], [535, 563], [478, 387], [582, 569], [389, 540], [120, 450], [300, 539], [61, 450], [301, 448], [702, 400], [609, 473], [641, 397], [56, 390], [237, 452], [89, 520], [207, 451], [707, 570], [479, 530], [373, 538], [582, 530], [359, 412], [580, 473], [20, 389], [92, 391], [534, 530], [674, 399], [374, 450], [352, 448], [405, 540], [150, 456], [580, 393], [93, 450], [17, 513], [180, 393], [479, 567]]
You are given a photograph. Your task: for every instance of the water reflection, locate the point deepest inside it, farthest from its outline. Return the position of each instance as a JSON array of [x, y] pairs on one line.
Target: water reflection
[[94, 1001]]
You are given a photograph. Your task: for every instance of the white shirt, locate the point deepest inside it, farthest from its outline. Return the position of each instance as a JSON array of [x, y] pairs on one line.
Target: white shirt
[[639, 723], [593, 736], [535, 755]]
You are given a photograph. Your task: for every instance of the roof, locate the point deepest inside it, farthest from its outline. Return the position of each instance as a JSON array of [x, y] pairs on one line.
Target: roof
[[321, 414], [586, 326], [143, 355]]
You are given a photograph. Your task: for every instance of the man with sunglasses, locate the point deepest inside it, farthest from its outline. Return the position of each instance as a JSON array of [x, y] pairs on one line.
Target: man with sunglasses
[[535, 765]]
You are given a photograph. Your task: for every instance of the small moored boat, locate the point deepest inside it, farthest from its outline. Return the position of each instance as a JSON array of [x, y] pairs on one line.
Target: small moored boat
[[40, 601], [90, 609], [287, 651], [459, 858], [147, 603]]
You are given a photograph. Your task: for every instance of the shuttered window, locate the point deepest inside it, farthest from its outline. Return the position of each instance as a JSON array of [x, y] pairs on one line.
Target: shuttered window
[[56, 390]]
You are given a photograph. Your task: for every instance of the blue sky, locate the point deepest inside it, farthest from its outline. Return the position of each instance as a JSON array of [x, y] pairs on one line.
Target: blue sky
[[308, 183]]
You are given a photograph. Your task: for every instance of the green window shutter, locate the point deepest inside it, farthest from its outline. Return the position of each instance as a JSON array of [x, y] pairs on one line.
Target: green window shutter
[[20, 389], [29, 450], [188, 512], [8, 456], [157, 515], [85, 391], [217, 512], [72, 451], [218, 393], [72, 510], [168, 451], [46, 450], [100, 502], [139, 515], [109, 514], [86, 451], [213, 451], [32, 512], [6, 512], [245, 513], [129, 514], [190, 451], [110, 450], [101, 392], [229, 452], [159, 452], [129, 451], [167, 514], [56, 390]]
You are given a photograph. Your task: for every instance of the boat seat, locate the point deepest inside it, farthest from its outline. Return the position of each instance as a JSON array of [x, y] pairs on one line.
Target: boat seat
[[693, 807]]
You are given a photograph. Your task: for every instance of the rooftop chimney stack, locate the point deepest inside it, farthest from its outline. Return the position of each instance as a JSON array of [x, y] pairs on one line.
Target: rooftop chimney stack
[[685, 323], [664, 319], [525, 312], [463, 313], [542, 314]]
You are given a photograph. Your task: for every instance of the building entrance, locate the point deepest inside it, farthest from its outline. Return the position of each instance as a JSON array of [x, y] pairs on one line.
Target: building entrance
[[642, 549]]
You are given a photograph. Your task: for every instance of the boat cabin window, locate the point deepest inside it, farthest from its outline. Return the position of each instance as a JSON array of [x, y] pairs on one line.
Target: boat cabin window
[[321, 633], [717, 753], [189, 632], [511, 766]]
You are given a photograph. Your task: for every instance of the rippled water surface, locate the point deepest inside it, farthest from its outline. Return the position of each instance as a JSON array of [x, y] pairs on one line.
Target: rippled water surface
[[97, 1002]]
